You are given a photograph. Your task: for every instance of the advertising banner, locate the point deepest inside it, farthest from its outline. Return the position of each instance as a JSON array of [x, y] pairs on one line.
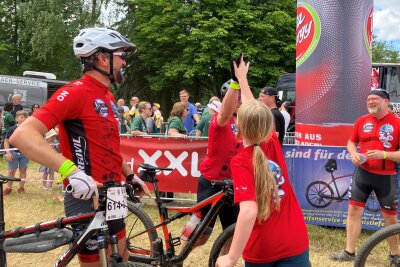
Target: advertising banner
[[184, 156], [333, 68], [321, 177]]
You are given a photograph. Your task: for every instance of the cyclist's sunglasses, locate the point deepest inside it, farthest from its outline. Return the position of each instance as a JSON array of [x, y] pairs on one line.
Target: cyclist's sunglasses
[[122, 55]]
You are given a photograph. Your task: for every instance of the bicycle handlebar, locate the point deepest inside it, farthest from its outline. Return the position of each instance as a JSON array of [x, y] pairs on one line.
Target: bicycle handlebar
[[7, 179]]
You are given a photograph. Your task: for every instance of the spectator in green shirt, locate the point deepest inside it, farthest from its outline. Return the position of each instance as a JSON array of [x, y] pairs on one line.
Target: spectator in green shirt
[[138, 126], [175, 125], [212, 108], [7, 118]]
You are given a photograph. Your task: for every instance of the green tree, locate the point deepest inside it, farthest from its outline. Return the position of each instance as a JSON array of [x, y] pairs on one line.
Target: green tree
[[384, 52], [189, 44]]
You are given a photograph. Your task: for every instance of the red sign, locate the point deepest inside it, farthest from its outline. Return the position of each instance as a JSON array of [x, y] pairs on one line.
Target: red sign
[[375, 78], [322, 135], [184, 156]]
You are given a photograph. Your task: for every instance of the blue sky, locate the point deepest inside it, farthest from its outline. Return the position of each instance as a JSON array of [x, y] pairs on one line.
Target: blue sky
[[386, 21]]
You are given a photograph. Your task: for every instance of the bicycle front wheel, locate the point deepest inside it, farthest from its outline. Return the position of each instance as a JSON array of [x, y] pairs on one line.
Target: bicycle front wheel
[[139, 240], [319, 194], [221, 246], [375, 250]]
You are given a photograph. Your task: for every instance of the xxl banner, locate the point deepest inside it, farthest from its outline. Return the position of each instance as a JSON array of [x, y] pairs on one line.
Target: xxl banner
[[184, 156], [333, 68], [321, 177]]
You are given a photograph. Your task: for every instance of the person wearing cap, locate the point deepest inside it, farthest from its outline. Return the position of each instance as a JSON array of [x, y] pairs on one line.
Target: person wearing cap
[[213, 107], [48, 174], [86, 112], [377, 135], [269, 96], [157, 116]]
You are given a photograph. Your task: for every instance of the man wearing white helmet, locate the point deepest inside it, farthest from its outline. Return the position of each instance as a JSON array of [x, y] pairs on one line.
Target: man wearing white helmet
[[86, 113]]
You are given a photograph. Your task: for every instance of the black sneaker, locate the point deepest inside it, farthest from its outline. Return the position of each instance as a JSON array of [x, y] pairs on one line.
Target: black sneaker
[[394, 260], [342, 256]]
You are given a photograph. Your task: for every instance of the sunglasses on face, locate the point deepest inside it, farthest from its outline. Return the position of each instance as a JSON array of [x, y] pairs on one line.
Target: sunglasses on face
[[121, 55]]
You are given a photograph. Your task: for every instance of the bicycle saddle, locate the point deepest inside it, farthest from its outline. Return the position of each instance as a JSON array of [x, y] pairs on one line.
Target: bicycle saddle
[[151, 168]]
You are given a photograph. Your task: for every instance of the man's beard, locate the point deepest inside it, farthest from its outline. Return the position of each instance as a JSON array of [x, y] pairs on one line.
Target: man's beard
[[119, 77], [375, 110]]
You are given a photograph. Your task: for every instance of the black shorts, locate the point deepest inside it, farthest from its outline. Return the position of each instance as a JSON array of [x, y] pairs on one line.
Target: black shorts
[[74, 206], [385, 187]]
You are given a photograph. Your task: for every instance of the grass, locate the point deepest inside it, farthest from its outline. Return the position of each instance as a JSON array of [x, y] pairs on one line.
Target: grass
[[38, 205]]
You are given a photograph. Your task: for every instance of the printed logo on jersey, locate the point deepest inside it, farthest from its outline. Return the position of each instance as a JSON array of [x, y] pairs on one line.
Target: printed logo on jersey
[[234, 128], [280, 180], [100, 107], [367, 127], [79, 148], [91, 244], [114, 109], [385, 135]]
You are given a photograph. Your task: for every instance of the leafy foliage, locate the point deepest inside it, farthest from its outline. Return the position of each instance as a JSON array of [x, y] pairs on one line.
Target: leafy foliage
[[189, 44], [384, 52]]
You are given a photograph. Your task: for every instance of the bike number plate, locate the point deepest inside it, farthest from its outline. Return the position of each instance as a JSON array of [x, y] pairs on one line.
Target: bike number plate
[[117, 205]]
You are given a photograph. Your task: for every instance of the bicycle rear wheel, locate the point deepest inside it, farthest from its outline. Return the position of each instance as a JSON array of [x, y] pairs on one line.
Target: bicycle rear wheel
[[221, 246], [375, 250], [319, 194], [139, 245]]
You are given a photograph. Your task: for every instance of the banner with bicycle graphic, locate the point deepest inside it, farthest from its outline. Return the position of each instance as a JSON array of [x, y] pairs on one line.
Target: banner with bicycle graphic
[[321, 177]]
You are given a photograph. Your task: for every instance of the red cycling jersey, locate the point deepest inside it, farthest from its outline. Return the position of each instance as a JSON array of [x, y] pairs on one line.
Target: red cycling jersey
[[222, 146], [85, 111], [371, 133]]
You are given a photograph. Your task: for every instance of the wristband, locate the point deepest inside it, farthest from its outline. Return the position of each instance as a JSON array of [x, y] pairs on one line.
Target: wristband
[[384, 155], [66, 169], [234, 85]]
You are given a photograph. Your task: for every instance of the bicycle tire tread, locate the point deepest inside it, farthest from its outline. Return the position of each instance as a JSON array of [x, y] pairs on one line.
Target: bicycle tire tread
[[374, 240]]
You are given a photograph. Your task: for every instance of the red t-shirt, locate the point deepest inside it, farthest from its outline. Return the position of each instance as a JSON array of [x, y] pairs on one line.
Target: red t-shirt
[[284, 233], [371, 133], [222, 146], [85, 111]]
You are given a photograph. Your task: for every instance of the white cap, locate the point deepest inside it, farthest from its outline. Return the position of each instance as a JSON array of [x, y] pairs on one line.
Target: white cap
[[215, 105]]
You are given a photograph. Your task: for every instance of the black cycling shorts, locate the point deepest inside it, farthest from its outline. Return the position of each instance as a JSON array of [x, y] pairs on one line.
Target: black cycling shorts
[[385, 187], [74, 206]]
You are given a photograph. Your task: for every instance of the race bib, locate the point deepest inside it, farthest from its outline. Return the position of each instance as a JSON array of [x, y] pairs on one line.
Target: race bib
[[117, 205]]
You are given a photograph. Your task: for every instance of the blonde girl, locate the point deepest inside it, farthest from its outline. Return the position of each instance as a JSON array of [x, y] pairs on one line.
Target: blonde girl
[[270, 230]]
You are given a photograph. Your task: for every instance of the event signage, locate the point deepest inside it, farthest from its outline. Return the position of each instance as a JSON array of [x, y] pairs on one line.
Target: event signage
[[333, 68], [320, 176]]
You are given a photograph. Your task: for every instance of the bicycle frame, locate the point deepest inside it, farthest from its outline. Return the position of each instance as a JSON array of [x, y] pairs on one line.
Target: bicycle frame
[[339, 197], [216, 201], [96, 225]]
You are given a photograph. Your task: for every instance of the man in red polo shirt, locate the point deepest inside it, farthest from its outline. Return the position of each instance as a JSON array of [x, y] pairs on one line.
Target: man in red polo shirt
[[378, 136]]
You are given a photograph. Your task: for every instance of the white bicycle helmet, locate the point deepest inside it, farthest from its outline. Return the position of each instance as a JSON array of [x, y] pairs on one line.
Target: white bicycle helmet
[[91, 40], [225, 87]]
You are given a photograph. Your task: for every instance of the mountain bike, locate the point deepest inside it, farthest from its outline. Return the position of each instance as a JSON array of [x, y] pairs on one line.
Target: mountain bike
[[320, 194], [46, 236], [375, 250], [153, 252]]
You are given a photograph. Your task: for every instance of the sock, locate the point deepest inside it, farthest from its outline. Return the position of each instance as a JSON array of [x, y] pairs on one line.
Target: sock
[[348, 253]]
